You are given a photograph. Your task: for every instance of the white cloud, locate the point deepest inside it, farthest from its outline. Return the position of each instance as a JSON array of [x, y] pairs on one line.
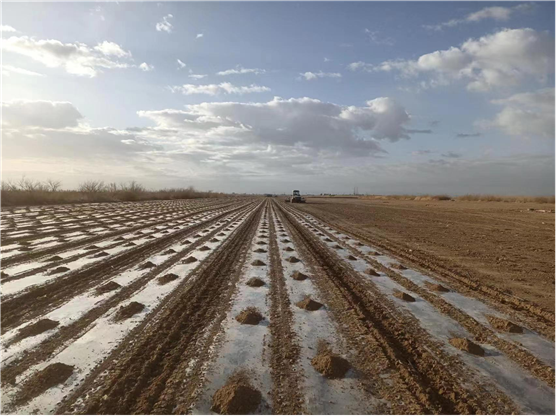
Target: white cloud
[[76, 58], [8, 69], [6, 28], [164, 25], [145, 67], [46, 114], [497, 13], [326, 59], [112, 49], [199, 35], [197, 76], [240, 70], [215, 89], [375, 37], [503, 59], [181, 65], [526, 114], [309, 76]]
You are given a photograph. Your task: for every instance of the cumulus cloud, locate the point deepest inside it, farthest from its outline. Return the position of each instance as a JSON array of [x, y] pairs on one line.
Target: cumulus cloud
[[46, 114], [217, 89], [240, 70], [6, 28], [310, 76], [7, 70], [76, 58], [503, 59], [164, 25], [497, 13], [197, 76], [526, 114], [145, 67]]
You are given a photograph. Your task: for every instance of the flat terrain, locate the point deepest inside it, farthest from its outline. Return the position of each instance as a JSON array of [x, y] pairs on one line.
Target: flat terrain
[[251, 305]]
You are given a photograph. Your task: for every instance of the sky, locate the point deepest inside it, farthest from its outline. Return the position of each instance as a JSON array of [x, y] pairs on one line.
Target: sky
[[266, 97]]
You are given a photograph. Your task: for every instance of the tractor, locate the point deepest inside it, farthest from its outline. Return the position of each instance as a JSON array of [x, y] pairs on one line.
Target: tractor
[[296, 198]]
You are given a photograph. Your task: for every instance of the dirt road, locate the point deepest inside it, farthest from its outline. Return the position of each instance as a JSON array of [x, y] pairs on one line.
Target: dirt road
[[249, 306]]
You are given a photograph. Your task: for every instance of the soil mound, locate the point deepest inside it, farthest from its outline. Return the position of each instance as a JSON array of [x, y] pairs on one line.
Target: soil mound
[[249, 316], [167, 278], [130, 244], [236, 397], [25, 249], [309, 304], [299, 276], [403, 296], [350, 257], [293, 259], [119, 239], [35, 329], [328, 240], [204, 248], [183, 243], [371, 272], [100, 254], [398, 266], [108, 287], [60, 269], [468, 346], [126, 312], [24, 243], [375, 253], [359, 244], [54, 258], [338, 247], [255, 282], [258, 263], [50, 376], [221, 234], [261, 243], [288, 249], [189, 260], [329, 364], [4, 275], [260, 250], [214, 240], [169, 251], [147, 265], [285, 240], [436, 287], [503, 325]]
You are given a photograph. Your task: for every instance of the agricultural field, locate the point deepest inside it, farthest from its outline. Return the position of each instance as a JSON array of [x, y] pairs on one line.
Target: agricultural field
[[251, 305]]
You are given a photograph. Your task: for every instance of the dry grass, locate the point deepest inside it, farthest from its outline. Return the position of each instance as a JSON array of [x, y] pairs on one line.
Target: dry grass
[[474, 197], [49, 192]]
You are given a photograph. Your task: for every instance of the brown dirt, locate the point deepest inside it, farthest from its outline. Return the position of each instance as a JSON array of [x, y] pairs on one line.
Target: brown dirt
[[258, 263], [293, 259], [60, 269], [147, 265], [108, 287], [468, 346], [126, 312], [204, 248], [350, 257], [249, 316], [236, 397], [255, 282], [260, 250], [309, 304], [403, 296], [185, 242], [503, 325], [169, 251], [189, 260], [371, 272], [288, 249], [297, 275], [167, 278], [436, 287], [398, 266], [214, 240], [37, 328], [499, 245], [55, 258], [50, 376], [329, 364]]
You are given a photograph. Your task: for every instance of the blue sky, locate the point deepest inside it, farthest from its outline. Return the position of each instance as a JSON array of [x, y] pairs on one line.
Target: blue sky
[[396, 97]]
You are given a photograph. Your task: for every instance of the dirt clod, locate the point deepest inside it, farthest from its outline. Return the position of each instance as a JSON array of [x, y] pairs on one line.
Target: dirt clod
[[189, 260], [127, 311], [293, 259], [147, 265], [167, 278], [468, 346], [258, 263], [436, 287], [503, 325], [130, 244], [185, 242], [236, 397], [260, 250], [255, 282], [55, 258], [297, 275], [288, 249], [329, 364], [309, 304], [350, 257], [60, 269], [204, 248], [371, 272], [169, 251], [108, 287], [403, 296], [249, 316], [48, 377], [398, 266], [35, 329], [214, 240]]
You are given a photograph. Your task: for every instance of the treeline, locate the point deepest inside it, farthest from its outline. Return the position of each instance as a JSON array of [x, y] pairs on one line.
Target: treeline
[[470, 197], [49, 192]]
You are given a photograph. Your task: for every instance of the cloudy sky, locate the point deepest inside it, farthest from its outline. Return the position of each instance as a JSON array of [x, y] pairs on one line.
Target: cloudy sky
[[267, 97]]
